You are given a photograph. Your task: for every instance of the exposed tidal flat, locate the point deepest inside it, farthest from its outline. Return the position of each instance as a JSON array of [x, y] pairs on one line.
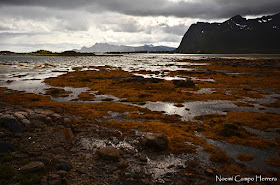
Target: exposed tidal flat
[[174, 119]]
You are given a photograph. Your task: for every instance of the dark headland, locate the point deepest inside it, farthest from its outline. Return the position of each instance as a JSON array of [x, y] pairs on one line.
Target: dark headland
[[236, 35]]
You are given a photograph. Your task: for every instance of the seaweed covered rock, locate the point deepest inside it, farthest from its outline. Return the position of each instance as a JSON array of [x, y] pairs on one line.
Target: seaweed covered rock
[[109, 153], [184, 83], [230, 129], [156, 141]]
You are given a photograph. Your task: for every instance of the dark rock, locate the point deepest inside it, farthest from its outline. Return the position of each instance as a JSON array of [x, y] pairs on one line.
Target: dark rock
[[25, 122], [156, 141], [122, 165], [184, 83], [54, 179], [54, 182], [38, 117], [44, 112], [65, 181], [179, 105], [155, 80], [48, 120], [209, 171], [109, 153], [82, 170], [229, 130], [143, 158], [21, 156], [66, 135], [29, 112], [59, 157], [11, 123], [146, 182], [53, 176], [134, 79], [33, 167], [67, 122], [56, 118], [63, 166], [46, 160], [58, 150], [19, 115], [44, 181], [88, 156], [107, 99], [6, 147], [62, 173]]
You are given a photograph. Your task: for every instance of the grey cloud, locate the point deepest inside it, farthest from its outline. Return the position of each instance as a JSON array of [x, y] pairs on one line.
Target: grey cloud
[[11, 34], [121, 25], [52, 19], [47, 3], [206, 9], [177, 30], [3, 28], [126, 28]]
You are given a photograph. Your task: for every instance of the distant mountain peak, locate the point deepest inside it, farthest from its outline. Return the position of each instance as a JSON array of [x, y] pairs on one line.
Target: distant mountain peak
[[105, 47], [149, 45], [238, 19]]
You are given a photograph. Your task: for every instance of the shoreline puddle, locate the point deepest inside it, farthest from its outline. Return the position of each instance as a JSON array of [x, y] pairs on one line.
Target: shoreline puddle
[[232, 150], [197, 108]]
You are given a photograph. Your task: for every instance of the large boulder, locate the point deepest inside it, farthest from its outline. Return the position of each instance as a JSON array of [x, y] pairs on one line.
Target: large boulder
[[10, 122], [6, 147], [19, 115], [184, 83], [33, 167], [57, 118], [65, 135], [63, 166], [109, 153], [22, 117], [156, 141], [39, 117]]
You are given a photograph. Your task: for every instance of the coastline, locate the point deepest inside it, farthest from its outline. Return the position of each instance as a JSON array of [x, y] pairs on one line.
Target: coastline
[[65, 132]]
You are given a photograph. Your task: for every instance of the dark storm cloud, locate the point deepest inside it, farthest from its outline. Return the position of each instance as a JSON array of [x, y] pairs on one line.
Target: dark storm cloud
[[206, 9]]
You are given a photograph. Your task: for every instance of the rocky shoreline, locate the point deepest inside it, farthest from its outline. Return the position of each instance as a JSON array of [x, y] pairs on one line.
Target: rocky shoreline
[[41, 146], [109, 133]]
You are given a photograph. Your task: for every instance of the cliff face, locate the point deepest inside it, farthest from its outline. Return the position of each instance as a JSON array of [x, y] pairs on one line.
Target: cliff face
[[236, 35]]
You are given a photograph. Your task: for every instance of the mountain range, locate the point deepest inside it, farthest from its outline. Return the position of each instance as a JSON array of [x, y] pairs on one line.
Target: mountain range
[[104, 47], [236, 35]]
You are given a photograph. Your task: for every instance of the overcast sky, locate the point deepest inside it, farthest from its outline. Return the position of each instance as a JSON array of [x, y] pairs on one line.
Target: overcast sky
[[58, 25]]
